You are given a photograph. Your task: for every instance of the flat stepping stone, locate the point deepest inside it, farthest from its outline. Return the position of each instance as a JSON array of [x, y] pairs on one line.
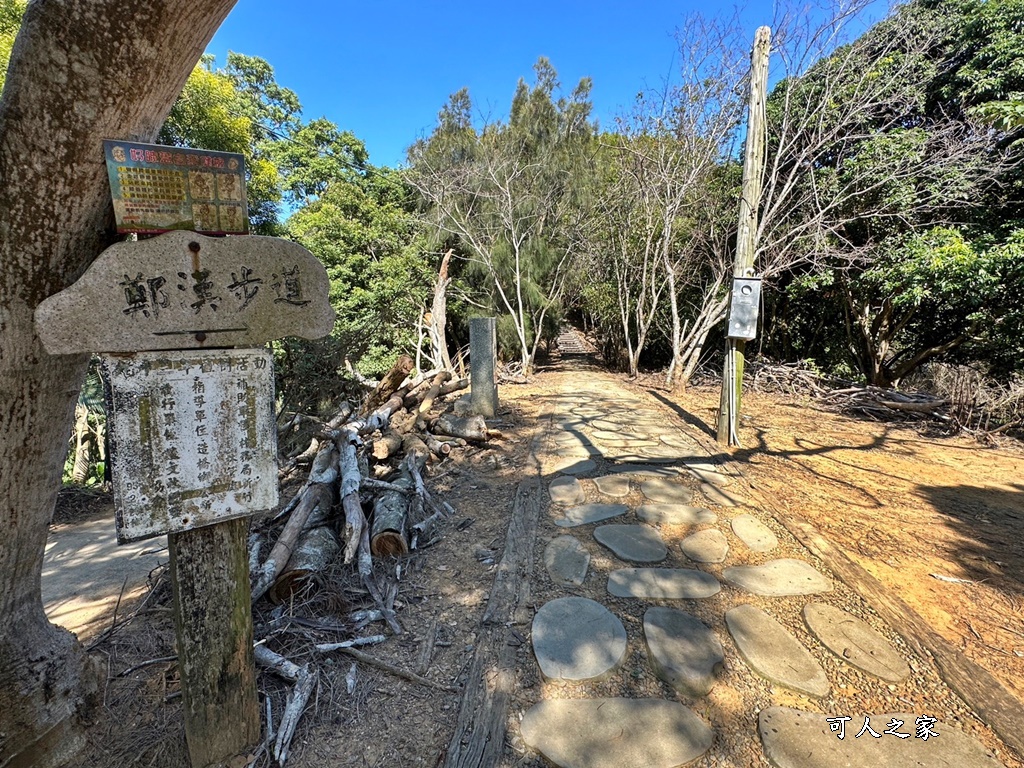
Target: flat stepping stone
[[772, 652], [615, 733], [608, 436], [567, 561], [669, 583], [642, 455], [855, 642], [661, 452], [666, 491], [795, 739], [721, 497], [566, 490], [644, 470], [707, 474], [778, 578], [675, 514], [613, 485], [707, 546], [755, 534], [577, 639], [589, 513], [578, 467], [633, 543], [683, 651]]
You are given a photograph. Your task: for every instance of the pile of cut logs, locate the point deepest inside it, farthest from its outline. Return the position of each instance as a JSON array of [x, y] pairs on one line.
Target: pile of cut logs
[[368, 464]]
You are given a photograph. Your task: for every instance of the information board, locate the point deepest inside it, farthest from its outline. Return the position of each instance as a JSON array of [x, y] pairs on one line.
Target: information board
[[193, 438], [158, 188]]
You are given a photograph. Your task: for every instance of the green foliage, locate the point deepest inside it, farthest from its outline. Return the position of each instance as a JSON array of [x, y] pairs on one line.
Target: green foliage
[[272, 108], [361, 228], [214, 112], [11, 12], [318, 154]]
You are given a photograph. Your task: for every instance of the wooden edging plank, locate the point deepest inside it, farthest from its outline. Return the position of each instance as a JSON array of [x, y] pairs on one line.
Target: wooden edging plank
[[479, 737]]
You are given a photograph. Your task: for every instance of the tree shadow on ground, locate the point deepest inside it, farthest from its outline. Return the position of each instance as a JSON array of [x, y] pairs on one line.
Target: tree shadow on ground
[[691, 419], [990, 525]]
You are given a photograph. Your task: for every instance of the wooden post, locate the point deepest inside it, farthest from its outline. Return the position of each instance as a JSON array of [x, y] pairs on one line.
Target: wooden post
[[746, 236], [213, 621]]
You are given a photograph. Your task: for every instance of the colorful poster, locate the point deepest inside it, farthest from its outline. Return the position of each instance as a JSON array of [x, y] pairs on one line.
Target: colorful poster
[[157, 188]]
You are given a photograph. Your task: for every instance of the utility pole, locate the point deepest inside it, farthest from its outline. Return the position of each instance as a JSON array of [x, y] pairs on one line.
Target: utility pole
[[746, 291]]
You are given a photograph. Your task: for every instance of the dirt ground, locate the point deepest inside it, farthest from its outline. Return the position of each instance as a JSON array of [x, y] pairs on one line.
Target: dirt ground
[[908, 508], [939, 520]]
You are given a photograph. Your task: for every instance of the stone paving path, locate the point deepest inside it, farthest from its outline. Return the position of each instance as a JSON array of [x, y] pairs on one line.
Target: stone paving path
[[629, 448]]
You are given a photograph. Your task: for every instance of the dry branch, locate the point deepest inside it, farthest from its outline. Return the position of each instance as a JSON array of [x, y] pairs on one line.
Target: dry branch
[[389, 384]]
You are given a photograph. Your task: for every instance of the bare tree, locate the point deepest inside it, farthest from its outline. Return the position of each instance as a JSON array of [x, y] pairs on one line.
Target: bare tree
[[658, 208], [506, 194], [81, 71], [852, 155]]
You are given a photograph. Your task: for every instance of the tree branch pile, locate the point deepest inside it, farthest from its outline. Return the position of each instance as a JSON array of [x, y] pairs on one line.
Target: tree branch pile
[[846, 397], [365, 498]]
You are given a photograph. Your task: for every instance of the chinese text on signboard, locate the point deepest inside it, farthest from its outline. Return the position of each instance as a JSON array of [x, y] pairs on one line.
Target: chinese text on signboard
[[193, 438], [159, 188]]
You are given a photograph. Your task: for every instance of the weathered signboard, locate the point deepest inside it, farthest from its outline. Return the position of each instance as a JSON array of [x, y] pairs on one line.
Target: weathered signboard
[[157, 188], [193, 438], [185, 291]]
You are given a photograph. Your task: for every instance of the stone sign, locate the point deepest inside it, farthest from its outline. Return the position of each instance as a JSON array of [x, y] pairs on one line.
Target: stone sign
[[193, 438], [157, 188], [186, 291]]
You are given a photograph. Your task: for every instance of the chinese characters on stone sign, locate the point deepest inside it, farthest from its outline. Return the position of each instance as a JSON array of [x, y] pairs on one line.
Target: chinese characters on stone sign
[[192, 433], [183, 290], [924, 728], [158, 188], [146, 295]]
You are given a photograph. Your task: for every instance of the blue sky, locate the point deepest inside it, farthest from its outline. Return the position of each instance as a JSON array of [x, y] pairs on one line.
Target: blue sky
[[383, 69]]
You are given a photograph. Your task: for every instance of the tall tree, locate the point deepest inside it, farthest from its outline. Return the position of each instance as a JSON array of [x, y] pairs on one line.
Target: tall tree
[[508, 194], [80, 71], [875, 145]]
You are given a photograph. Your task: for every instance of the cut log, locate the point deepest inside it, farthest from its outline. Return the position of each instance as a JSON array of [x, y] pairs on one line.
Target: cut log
[[430, 396], [351, 479], [414, 446], [387, 534], [315, 551], [379, 418], [316, 495], [386, 445], [453, 386], [436, 447], [325, 466], [389, 384], [472, 428], [415, 393]]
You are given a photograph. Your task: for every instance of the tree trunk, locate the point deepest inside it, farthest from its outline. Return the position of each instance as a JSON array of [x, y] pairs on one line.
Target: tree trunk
[[81, 71], [439, 316]]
